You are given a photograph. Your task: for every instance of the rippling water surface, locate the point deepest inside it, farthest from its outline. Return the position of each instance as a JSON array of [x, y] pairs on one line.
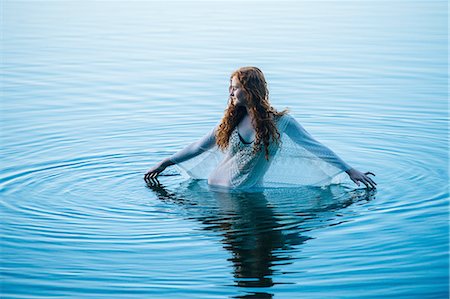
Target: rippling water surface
[[95, 93]]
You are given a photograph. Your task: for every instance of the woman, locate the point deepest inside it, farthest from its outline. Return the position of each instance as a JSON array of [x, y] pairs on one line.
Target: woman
[[257, 146]]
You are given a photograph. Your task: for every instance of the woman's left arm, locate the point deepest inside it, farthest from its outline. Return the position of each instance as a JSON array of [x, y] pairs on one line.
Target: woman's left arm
[[299, 135]]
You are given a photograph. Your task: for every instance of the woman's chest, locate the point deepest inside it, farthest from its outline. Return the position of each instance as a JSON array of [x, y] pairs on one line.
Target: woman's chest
[[245, 130], [237, 146]]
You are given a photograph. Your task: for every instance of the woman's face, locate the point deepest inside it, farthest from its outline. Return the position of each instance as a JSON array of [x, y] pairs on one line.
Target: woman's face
[[237, 93]]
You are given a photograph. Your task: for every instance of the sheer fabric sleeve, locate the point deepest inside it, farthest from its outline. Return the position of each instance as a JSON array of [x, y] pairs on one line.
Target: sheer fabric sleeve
[[199, 159], [300, 136], [303, 161], [196, 148]]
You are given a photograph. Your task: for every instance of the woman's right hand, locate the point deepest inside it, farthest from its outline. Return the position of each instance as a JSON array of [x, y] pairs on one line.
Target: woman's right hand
[[153, 172]]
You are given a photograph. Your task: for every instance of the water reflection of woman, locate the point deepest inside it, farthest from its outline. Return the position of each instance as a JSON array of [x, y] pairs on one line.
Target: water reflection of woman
[[253, 231], [252, 236]]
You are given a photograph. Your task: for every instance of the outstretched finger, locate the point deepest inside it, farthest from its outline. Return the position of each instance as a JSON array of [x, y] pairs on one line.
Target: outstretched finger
[[148, 176], [372, 186], [363, 180], [367, 173], [371, 181], [367, 179], [151, 182]]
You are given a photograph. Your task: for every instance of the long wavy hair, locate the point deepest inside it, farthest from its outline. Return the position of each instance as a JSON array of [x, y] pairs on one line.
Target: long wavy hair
[[262, 114]]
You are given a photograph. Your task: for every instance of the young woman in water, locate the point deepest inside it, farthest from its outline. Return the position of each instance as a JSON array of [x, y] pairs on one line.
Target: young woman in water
[[255, 145]]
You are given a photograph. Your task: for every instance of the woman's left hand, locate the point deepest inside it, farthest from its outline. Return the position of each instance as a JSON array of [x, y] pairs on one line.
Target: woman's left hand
[[357, 176]]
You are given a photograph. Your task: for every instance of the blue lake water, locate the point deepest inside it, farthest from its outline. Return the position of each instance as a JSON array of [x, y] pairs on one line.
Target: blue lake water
[[95, 93]]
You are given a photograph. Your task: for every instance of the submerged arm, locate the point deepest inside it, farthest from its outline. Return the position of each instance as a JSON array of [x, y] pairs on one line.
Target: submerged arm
[[192, 150]]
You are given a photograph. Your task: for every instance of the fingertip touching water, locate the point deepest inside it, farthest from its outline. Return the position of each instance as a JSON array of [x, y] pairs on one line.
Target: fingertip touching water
[[254, 146]]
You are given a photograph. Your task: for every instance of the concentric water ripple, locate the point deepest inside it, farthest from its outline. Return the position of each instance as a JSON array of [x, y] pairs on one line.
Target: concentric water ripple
[[94, 94]]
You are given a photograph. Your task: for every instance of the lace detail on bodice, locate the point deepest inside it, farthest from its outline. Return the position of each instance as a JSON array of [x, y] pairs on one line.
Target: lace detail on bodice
[[246, 158]]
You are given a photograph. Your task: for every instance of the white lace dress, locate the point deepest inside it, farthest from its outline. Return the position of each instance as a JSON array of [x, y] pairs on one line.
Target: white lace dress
[[298, 160]]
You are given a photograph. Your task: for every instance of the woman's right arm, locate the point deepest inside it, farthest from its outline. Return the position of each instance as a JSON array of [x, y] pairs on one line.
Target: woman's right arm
[[190, 151]]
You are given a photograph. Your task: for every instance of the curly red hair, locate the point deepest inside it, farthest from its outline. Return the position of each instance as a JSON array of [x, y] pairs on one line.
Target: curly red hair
[[263, 115]]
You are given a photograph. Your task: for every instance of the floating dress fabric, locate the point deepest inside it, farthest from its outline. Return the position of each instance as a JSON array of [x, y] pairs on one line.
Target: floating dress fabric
[[298, 160]]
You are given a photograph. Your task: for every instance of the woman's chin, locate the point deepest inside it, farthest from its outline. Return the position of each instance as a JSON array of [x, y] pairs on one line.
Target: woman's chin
[[238, 103]]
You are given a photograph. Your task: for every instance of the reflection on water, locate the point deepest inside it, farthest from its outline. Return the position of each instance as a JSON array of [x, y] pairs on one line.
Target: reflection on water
[[95, 92], [259, 233]]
